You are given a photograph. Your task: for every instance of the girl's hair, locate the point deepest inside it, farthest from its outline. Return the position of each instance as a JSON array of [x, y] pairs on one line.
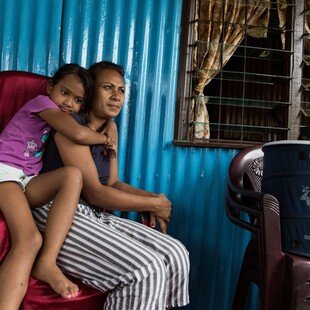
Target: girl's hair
[[80, 73]]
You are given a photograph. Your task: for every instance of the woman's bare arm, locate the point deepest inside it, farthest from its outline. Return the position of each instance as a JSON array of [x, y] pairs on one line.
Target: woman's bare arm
[[113, 180], [107, 197], [152, 217], [133, 190]]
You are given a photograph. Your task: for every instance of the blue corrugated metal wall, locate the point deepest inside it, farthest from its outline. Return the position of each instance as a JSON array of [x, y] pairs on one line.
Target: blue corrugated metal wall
[[143, 36]]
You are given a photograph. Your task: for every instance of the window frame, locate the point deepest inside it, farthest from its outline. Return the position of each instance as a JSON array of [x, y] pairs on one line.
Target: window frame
[[181, 137]]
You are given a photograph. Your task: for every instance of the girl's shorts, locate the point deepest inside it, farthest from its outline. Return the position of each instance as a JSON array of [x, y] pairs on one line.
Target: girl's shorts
[[12, 174]]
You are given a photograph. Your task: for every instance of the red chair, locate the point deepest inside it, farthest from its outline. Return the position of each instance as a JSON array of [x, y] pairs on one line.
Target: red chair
[[16, 88], [283, 278]]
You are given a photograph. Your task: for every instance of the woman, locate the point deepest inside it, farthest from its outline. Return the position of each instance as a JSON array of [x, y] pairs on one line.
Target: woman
[[140, 267]]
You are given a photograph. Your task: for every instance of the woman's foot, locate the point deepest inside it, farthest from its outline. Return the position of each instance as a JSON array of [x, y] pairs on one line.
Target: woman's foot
[[51, 274]]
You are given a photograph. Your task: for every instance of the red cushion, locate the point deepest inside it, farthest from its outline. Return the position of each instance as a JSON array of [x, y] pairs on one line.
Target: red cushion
[[16, 88], [41, 296], [4, 238]]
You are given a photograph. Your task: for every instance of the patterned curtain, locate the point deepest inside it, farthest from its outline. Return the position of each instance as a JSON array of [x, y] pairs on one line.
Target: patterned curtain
[[222, 25], [282, 5], [306, 54]]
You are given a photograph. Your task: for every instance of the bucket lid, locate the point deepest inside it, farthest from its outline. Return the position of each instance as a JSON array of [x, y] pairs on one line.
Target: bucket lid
[[285, 142]]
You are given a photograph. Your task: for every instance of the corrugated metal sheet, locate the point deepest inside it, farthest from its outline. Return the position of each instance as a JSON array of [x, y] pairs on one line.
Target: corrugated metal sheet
[[143, 36], [30, 35]]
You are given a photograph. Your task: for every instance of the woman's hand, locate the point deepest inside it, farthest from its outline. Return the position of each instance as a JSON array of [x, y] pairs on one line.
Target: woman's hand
[[161, 213], [162, 224], [162, 208], [149, 219]]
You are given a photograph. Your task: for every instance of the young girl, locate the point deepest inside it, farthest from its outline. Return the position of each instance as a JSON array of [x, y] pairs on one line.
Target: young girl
[[21, 188]]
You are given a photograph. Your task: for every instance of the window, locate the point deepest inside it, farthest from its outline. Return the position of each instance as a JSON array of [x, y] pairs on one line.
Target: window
[[241, 79]]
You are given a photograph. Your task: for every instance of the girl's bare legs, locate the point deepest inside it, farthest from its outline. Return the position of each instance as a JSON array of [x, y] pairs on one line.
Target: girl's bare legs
[[25, 244], [63, 186]]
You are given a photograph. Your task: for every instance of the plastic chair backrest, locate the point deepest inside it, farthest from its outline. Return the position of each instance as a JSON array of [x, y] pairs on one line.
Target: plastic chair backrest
[[263, 262], [246, 168]]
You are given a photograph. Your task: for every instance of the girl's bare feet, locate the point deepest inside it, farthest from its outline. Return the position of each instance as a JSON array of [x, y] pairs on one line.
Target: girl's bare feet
[[51, 274]]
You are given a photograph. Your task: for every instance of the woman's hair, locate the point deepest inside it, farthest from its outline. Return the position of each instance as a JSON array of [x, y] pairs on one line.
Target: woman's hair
[[97, 67], [80, 73]]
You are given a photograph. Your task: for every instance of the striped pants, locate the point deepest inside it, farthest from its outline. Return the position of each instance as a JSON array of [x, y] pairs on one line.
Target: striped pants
[[140, 267]]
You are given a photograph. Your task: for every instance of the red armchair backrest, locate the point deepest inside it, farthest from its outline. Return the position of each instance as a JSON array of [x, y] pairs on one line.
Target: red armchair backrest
[[16, 88]]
